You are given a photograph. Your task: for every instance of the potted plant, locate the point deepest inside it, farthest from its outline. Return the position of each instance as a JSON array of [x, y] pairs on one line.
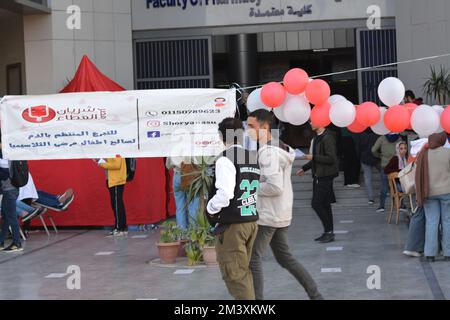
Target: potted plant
[[169, 243], [183, 243], [437, 85], [199, 235]]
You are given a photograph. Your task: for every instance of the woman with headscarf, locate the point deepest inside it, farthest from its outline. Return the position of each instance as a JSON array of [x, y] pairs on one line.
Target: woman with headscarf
[[398, 162], [433, 193]]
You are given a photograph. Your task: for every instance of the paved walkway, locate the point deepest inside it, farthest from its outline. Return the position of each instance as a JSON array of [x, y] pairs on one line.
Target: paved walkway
[[118, 269]]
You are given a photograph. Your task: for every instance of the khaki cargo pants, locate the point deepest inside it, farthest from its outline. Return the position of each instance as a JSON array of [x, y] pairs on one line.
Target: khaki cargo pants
[[234, 250]]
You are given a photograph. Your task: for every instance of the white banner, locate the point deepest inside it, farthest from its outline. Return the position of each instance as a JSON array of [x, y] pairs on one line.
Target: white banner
[[146, 123]]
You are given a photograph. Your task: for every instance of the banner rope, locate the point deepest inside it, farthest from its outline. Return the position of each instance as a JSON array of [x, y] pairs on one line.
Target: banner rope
[[240, 89]]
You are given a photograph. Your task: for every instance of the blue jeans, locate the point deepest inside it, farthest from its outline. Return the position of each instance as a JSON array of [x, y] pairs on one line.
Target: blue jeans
[[416, 232], [368, 180], [185, 214], [384, 188], [437, 209], [9, 216], [48, 200], [21, 207]]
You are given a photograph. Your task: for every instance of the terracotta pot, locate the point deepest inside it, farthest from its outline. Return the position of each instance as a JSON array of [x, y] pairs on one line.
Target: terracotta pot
[[209, 256], [168, 252], [182, 249]]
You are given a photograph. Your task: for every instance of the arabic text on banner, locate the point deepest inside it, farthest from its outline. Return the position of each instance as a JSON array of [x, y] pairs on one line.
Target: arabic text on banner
[[146, 123]]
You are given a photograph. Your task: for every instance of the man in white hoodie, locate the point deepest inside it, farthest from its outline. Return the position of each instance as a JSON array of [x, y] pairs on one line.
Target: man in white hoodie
[[275, 201]]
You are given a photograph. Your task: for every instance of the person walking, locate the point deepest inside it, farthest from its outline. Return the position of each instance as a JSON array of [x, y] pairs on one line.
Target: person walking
[[323, 162], [385, 149], [352, 164], [116, 175], [275, 202], [232, 210], [433, 193], [364, 143], [186, 213]]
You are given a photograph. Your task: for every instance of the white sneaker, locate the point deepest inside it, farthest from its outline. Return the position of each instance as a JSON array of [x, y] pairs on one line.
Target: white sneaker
[[122, 234], [113, 233], [380, 210], [412, 254], [353, 186]]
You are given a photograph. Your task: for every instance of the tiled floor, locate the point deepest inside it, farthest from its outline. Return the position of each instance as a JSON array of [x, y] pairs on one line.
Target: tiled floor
[[118, 268]]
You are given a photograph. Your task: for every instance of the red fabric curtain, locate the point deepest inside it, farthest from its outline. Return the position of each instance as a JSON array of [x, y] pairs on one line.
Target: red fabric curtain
[[148, 198]]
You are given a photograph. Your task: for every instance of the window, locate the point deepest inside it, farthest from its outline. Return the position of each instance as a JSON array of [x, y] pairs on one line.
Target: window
[[14, 79]]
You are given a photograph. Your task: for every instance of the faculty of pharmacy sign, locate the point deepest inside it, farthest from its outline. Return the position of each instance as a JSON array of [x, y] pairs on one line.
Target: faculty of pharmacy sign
[[167, 14], [255, 11]]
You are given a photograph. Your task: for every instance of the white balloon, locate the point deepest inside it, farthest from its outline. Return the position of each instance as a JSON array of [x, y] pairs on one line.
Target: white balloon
[[425, 121], [342, 113], [279, 113], [439, 111], [335, 98], [380, 128], [391, 91], [296, 109], [254, 101]]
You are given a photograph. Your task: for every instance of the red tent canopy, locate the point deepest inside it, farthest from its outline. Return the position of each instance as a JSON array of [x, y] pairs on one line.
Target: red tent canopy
[[148, 198]]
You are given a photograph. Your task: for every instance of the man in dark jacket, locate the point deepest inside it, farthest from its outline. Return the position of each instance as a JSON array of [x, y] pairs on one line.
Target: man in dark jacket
[[323, 162], [364, 143]]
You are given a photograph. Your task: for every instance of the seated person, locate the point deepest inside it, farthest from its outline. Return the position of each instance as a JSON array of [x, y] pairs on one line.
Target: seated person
[[398, 162], [55, 202], [27, 212]]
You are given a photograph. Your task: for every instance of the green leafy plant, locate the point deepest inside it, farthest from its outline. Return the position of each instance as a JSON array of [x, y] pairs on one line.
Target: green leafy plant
[[198, 234], [170, 232], [437, 85]]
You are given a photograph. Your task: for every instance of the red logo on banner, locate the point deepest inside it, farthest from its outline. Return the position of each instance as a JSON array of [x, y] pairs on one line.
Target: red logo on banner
[[220, 102], [39, 114]]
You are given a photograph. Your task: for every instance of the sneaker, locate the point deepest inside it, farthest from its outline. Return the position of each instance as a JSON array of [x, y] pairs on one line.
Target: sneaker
[[380, 210], [371, 202], [121, 234], [67, 201], [13, 248], [31, 215], [66, 195], [329, 237], [412, 254], [113, 233], [2, 246], [321, 237], [353, 186]]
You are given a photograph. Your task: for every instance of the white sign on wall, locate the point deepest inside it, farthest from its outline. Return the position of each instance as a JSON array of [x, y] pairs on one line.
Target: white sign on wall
[[163, 14], [147, 123]]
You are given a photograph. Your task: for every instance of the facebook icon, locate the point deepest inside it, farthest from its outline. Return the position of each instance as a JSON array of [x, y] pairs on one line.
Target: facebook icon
[[154, 134]]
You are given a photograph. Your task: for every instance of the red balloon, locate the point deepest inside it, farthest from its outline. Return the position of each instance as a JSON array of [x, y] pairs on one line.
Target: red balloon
[[445, 119], [273, 94], [318, 92], [411, 107], [295, 81], [368, 114], [357, 127], [397, 119], [320, 115]]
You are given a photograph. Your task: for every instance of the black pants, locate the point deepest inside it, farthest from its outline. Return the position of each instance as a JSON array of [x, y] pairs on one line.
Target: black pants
[[116, 195], [323, 197], [352, 164]]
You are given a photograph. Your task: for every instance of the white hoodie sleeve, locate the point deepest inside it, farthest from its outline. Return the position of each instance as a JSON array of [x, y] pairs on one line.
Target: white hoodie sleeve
[[272, 175], [225, 184]]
